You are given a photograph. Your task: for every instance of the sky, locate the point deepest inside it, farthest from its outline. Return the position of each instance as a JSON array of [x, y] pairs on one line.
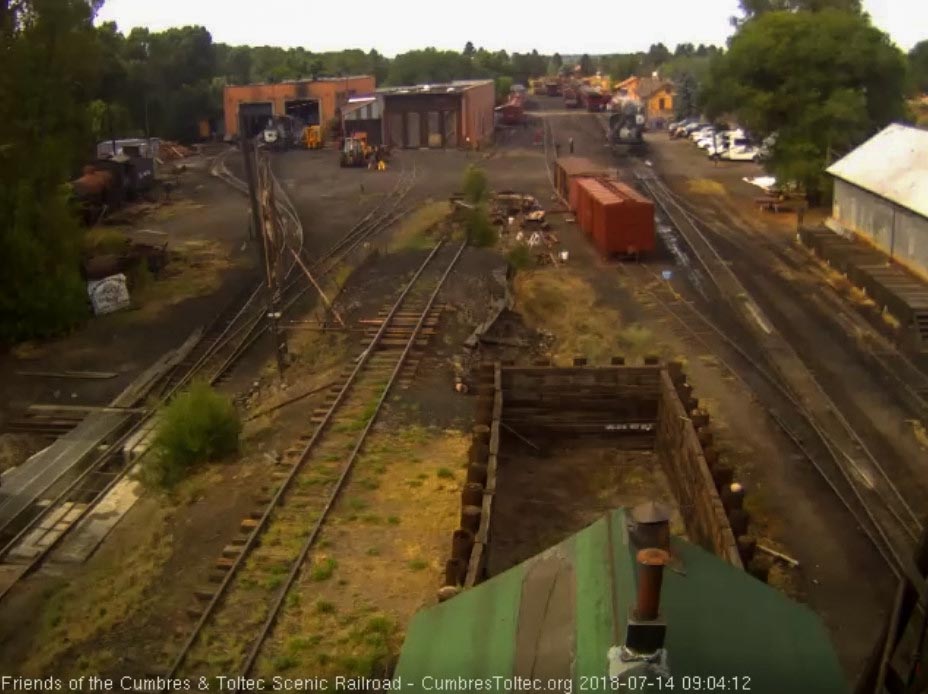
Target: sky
[[595, 26]]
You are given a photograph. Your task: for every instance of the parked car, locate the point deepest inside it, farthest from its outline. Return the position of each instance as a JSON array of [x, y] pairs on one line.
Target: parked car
[[699, 134], [743, 152], [689, 129], [726, 140]]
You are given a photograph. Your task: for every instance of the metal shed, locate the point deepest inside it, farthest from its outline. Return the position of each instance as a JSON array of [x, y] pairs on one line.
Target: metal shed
[[438, 115], [881, 194]]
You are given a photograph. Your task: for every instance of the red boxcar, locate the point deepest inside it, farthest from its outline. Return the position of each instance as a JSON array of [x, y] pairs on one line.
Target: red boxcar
[[621, 219], [585, 202], [567, 168]]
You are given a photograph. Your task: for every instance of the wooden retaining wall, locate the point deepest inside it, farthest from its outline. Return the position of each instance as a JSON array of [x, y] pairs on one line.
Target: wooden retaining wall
[[683, 459]]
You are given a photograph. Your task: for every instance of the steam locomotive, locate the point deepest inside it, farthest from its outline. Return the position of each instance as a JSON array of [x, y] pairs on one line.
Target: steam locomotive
[[122, 171]]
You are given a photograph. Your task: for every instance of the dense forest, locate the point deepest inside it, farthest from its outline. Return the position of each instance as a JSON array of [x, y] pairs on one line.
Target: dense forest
[[815, 71]]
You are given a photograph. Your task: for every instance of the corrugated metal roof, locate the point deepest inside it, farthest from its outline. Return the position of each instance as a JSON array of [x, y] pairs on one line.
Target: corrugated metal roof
[[892, 164], [557, 614]]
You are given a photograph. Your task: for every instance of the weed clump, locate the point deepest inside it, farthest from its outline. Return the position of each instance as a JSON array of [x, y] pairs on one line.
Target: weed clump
[[520, 257], [197, 426], [480, 231], [475, 185]]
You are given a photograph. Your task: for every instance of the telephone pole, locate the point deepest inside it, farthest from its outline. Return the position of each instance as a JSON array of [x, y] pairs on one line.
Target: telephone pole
[[262, 221]]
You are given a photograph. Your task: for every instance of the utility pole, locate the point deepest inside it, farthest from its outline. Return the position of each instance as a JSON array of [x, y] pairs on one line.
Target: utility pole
[[263, 247]]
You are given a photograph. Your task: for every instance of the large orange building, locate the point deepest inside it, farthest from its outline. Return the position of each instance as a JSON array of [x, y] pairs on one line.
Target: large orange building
[[312, 101]]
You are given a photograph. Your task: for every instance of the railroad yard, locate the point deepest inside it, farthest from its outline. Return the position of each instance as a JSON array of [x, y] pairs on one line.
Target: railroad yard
[[406, 346]]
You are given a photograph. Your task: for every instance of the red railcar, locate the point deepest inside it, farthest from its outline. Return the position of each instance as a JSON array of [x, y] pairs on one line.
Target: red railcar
[[570, 98], [619, 220]]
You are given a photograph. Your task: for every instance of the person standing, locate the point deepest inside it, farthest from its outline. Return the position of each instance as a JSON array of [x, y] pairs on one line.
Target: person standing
[[570, 144]]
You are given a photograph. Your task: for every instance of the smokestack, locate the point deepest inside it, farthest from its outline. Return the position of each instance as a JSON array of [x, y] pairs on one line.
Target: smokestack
[[651, 562]]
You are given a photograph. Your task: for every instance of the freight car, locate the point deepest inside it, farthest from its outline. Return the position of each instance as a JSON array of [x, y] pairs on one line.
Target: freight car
[[618, 220], [592, 99]]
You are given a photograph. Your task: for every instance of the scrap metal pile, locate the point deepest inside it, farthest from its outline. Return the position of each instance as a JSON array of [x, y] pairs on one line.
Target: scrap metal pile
[[522, 220]]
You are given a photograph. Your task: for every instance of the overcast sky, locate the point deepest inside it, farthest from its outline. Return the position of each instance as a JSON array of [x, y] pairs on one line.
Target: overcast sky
[[395, 26]]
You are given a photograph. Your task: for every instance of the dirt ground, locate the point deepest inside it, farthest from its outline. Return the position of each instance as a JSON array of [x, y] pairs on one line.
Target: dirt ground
[[380, 559], [792, 509], [543, 500], [412, 467]]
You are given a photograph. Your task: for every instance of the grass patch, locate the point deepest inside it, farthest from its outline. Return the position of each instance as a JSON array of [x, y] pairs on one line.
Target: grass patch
[[325, 607], [560, 301], [445, 473], [113, 585], [705, 186], [413, 233], [373, 552], [104, 240], [323, 569], [197, 426], [417, 565], [520, 257], [393, 520]]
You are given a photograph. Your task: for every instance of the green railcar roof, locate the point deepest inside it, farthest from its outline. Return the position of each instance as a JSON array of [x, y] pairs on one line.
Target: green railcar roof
[[556, 615]]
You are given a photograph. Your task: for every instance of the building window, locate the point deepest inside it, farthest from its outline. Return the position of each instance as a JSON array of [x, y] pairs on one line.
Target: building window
[[660, 104]]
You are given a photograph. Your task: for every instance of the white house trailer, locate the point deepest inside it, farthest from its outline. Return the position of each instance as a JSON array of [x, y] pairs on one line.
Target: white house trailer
[[881, 194]]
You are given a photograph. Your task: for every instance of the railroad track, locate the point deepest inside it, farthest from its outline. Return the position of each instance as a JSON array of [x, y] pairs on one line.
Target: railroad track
[[254, 576], [27, 539], [893, 523], [910, 381]]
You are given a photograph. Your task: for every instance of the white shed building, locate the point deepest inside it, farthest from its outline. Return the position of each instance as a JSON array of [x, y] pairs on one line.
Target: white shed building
[[881, 194]]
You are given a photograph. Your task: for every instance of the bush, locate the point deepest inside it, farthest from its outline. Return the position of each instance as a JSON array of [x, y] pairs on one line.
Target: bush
[[480, 231], [197, 426], [520, 257], [475, 185]]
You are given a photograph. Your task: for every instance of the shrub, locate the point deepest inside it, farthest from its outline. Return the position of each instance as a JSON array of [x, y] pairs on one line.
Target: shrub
[[480, 231], [197, 426], [475, 185], [520, 257]]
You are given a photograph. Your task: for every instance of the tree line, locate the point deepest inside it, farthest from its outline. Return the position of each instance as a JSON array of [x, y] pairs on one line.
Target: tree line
[[814, 71]]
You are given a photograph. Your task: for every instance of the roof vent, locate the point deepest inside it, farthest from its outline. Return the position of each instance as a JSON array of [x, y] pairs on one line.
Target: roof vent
[[643, 653]]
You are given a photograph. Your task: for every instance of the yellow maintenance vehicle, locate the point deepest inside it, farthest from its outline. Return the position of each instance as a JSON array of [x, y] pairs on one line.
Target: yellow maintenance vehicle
[[312, 137]]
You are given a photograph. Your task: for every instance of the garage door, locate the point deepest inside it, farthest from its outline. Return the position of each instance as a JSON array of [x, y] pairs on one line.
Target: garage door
[[253, 117], [413, 129], [395, 129]]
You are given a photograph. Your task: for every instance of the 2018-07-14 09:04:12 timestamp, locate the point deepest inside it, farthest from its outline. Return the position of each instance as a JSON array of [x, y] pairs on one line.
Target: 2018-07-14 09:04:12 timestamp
[[670, 683]]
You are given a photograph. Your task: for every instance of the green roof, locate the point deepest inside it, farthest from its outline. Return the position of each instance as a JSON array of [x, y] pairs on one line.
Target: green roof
[[557, 615]]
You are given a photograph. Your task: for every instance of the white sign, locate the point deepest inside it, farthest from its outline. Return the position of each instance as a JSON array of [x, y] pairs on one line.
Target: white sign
[[109, 294]]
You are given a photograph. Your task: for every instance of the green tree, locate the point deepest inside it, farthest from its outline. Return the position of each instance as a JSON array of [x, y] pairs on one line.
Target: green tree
[[469, 49], [556, 63], [918, 66], [586, 65], [658, 54], [503, 87], [756, 8], [50, 74], [686, 99], [823, 81]]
